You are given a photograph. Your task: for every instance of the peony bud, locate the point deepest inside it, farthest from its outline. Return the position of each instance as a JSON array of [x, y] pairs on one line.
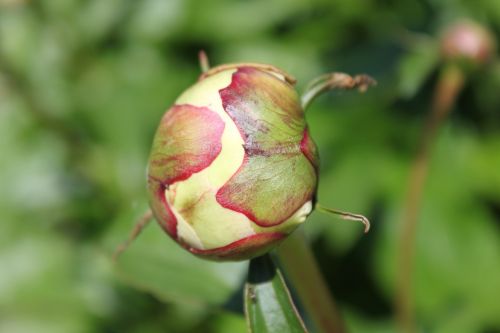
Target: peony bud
[[467, 41], [233, 169]]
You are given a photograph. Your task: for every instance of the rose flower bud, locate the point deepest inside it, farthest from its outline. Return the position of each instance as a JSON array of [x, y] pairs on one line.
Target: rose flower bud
[[233, 169]]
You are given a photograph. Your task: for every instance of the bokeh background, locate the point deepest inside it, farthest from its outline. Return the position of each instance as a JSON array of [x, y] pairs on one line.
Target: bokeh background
[[83, 85]]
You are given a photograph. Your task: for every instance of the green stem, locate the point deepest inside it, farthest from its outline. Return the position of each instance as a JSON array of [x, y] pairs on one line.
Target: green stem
[[448, 87], [302, 269]]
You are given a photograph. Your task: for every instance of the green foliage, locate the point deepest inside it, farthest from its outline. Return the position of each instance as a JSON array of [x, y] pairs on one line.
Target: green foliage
[[170, 272], [268, 303], [83, 85]]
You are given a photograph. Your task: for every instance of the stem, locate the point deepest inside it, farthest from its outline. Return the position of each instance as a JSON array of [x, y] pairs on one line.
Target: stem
[[346, 216], [139, 226], [448, 87], [334, 81], [302, 269]]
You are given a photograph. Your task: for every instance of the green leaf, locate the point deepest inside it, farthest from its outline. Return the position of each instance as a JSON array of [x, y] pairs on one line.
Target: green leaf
[[416, 66], [457, 241], [156, 264], [268, 305]]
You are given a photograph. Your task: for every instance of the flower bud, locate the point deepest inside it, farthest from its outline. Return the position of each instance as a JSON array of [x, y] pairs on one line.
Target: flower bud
[[233, 169], [468, 41]]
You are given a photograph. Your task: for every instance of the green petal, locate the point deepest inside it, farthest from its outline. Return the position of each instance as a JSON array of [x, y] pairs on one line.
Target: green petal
[[275, 178], [187, 141]]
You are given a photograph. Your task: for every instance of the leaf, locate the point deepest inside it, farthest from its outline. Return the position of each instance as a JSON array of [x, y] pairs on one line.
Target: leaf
[[268, 304], [155, 263], [457, 241], [416, 66], [38, 293]]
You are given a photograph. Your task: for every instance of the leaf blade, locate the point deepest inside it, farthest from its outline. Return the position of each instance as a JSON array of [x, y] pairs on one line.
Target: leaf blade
[[156, 264], [268, 304]]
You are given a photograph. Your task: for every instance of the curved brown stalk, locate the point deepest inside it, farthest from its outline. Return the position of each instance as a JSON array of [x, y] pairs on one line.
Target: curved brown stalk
[[333, 81], [450, 83]]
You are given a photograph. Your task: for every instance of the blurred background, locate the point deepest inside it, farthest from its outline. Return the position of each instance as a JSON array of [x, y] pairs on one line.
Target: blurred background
[[83, 85]]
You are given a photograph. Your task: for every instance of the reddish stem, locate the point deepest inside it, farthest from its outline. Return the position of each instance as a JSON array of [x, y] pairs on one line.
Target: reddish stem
[[450, 83], [138, 227]]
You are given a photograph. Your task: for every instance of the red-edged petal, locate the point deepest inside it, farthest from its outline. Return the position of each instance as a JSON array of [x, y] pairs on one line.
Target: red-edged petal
[[161, 208], [308, 147], [244, 248], [276, 178], [187, 141]]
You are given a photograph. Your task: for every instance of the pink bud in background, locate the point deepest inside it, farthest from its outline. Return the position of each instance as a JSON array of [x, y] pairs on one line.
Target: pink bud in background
[[467, 40]]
